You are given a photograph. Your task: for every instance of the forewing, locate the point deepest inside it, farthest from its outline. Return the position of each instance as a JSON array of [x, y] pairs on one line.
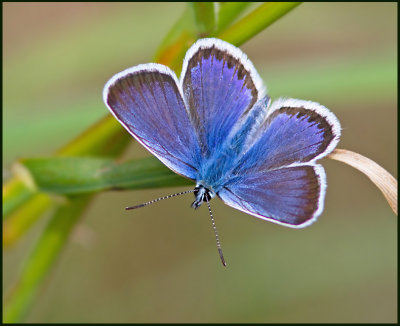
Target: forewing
[[292, 196], [294, 132], [148, 102], [220, 85]]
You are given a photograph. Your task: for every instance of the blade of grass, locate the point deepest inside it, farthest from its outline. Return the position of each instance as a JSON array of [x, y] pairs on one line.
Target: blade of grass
[[227, 12], [179, 38], [41, 259], [20, 221], [256, 21], [79, 175], [106, 137], [205, 17], [15, 193]]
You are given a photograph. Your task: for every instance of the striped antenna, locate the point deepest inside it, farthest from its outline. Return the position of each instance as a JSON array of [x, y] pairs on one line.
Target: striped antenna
[[158, 199], [216, 234]]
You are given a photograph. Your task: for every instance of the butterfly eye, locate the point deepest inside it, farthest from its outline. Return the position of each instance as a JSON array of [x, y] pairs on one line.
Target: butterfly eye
[[196, 191]]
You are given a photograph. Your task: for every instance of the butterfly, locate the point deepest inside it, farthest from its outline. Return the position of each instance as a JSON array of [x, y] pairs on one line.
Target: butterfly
[[216, 125]]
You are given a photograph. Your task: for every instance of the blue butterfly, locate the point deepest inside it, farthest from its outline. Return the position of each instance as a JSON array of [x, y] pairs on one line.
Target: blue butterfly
[[215, 125]]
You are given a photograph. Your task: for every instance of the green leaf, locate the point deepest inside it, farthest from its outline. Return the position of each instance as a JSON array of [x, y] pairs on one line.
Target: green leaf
[[79, 175]]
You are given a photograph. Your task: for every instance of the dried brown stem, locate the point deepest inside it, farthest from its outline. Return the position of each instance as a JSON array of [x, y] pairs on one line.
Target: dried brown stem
[[386, 183]]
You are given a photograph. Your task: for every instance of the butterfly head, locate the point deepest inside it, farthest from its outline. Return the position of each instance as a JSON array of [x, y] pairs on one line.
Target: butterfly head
[[202, 194]]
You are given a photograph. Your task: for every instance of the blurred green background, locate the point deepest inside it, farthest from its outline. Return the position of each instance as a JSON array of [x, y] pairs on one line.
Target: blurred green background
[[160, 263]]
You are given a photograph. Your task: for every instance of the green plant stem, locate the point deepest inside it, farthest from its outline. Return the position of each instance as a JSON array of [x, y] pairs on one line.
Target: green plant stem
[[105, 138], [204, 16], [25, 216], [179, 38], [42, 257], [228, 12], [15, 193], [256, 21]]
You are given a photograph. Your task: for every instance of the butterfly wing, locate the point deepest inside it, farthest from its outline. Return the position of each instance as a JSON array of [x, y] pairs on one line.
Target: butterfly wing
[[147, 101], [289, 196], [295, 131], [220, 86], [277, 179]]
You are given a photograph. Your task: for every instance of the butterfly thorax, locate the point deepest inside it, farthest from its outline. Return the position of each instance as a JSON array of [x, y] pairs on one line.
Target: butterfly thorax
[[202, 194], [216, 171]]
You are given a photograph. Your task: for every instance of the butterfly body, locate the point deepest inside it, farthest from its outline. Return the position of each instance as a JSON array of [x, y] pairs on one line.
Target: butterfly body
[[215, 125], [202, 194]]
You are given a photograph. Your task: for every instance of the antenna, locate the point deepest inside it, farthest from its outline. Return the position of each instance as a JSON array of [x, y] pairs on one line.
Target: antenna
[[158, 199], [216, 233]]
